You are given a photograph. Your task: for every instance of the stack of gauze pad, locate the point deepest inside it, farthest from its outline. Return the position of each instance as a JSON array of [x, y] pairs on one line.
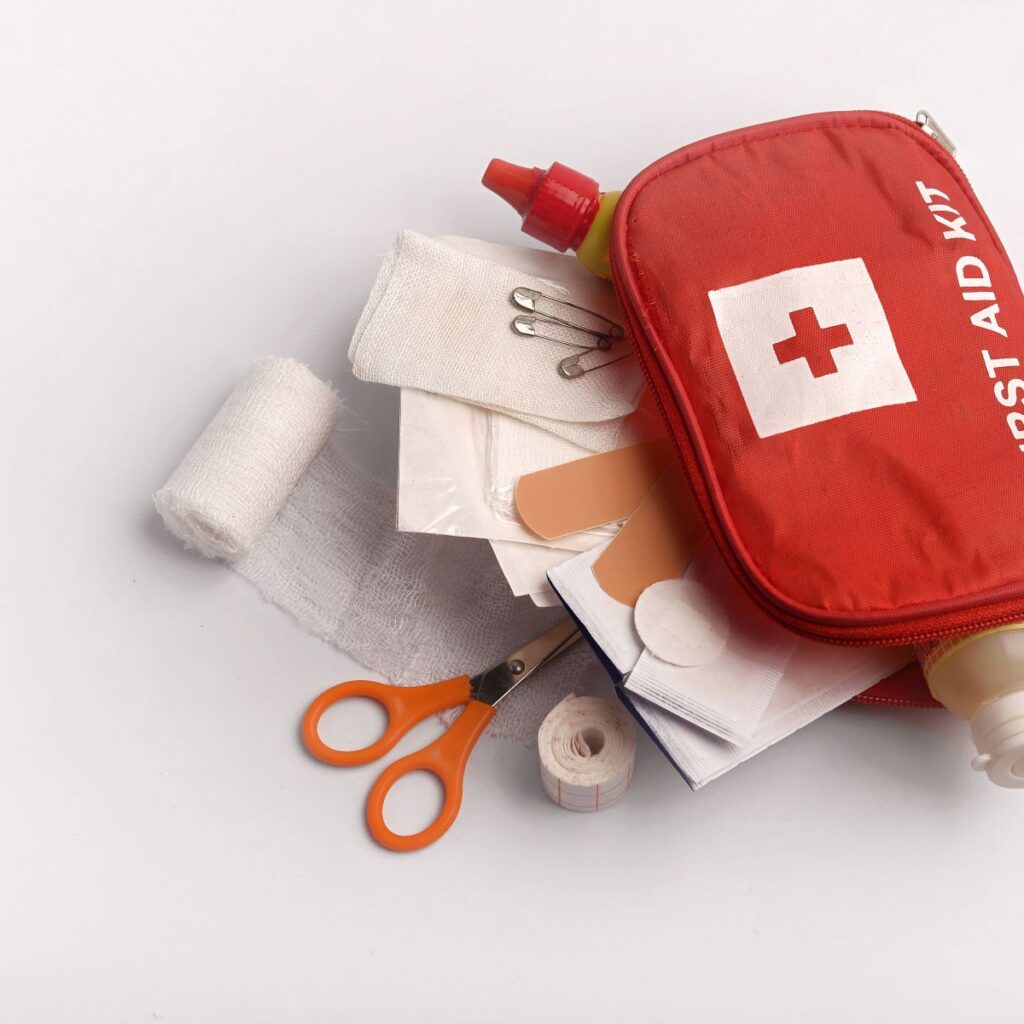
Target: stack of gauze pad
[[710, 676], [482, 405]]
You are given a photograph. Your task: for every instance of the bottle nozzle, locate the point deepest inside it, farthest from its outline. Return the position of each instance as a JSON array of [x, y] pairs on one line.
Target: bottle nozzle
[[557, 205], [515, 184], [998, 731]]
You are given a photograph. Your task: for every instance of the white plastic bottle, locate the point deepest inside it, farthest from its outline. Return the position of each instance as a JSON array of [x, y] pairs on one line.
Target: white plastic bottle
[[980, 677]]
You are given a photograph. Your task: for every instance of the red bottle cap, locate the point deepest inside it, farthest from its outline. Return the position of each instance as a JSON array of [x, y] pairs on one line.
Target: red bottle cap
[[557, 205]]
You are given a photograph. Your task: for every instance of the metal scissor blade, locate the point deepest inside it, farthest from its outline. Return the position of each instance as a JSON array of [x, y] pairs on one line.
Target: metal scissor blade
[[498, 682]]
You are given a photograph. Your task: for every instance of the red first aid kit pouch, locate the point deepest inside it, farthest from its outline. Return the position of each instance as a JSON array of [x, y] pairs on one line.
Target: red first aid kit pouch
[[832, 331]]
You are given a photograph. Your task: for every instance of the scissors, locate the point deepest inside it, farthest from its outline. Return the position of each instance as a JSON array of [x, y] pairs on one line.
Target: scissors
[[446, 757]]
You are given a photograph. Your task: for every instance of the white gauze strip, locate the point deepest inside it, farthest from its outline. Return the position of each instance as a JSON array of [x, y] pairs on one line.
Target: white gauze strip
[[411, 607]]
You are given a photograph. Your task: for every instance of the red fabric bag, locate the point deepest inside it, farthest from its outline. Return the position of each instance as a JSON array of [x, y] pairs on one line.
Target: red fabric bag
[[830, 327]]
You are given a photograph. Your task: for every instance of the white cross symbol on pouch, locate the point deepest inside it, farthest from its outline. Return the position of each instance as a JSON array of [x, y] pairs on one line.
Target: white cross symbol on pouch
[[810, 344]]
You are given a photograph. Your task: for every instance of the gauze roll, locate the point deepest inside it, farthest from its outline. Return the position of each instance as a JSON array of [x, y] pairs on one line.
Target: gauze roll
[[237, 475], [587, 747]]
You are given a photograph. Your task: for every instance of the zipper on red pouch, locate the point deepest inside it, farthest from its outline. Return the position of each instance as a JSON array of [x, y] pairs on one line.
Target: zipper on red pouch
[[679, 428], [932, 128], [894, 702]]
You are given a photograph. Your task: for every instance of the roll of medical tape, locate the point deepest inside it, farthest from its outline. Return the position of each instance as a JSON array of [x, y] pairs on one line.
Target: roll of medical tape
[[587, 748]]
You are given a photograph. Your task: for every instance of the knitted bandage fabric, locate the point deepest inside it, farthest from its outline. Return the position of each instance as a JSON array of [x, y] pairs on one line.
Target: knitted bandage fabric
[[411, 607], [235, 477]]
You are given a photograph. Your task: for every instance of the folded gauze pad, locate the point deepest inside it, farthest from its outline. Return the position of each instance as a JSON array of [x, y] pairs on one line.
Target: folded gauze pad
[[237, 475], [439, 319], [586, 746]]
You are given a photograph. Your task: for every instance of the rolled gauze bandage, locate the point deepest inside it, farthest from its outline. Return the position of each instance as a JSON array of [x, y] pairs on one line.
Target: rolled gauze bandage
[[235, 478], [587, 746]]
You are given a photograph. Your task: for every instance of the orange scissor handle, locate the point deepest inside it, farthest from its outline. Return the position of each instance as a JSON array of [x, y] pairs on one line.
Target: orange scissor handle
[[445, 758], [405, 705]]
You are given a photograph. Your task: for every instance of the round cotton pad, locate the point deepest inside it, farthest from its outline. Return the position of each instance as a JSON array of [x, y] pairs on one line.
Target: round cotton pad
[[681, 622]]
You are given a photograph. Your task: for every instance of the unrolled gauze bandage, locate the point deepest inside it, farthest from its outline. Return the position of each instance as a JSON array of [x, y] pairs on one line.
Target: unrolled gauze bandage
[[316, 536], [587, 747], [237, 475]]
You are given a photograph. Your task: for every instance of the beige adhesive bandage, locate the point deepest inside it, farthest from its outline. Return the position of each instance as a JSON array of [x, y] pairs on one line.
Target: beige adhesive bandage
[[656, 543], [595, 491]]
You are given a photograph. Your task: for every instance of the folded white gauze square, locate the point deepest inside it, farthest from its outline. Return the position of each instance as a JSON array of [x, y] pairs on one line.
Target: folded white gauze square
[[711, 656], [442, 456], [439, 319], [818, 678], [509, 449]]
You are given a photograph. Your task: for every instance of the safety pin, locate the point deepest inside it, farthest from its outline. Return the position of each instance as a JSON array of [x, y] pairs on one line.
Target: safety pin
[[527, 298], [528, 325], [570, 367]]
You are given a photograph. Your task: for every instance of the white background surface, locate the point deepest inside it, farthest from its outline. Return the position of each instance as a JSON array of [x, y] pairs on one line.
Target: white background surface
[[186, 186]]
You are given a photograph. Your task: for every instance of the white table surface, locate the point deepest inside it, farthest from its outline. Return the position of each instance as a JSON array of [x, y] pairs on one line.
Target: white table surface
[[186, 186]]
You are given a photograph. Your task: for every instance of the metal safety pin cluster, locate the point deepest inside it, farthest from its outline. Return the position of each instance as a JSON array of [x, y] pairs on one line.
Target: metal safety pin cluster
[[596, 335]]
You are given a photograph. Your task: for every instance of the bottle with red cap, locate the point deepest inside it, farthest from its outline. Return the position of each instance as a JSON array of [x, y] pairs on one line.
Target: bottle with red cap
[[560, 207]]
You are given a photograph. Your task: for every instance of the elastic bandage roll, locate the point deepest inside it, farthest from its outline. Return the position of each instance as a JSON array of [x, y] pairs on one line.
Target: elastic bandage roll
[[240, 471]]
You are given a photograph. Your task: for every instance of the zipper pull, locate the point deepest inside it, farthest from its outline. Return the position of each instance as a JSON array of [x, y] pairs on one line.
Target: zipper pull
[[931, 127]]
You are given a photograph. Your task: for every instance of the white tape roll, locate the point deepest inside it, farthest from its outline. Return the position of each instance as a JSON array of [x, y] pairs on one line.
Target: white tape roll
[[587, 747]]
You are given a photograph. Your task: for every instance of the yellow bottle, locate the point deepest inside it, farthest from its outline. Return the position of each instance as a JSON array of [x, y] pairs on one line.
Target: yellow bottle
[[980, 678]]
